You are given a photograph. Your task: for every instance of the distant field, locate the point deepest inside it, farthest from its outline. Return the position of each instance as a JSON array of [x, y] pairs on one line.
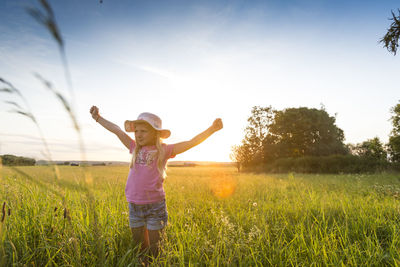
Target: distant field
[[216, 217]]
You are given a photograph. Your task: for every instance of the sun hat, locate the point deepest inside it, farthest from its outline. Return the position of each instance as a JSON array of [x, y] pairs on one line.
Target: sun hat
[[151, 119]]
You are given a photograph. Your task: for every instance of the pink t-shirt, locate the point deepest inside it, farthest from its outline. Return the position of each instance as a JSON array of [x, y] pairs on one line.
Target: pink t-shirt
[[145, 184]]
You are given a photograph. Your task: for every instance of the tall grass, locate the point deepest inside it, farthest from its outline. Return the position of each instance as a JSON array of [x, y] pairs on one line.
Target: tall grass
[[45, 16], [216, 217], [27, 112]]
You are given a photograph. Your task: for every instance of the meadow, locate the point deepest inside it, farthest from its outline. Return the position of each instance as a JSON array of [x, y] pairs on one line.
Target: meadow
[[217, 217]]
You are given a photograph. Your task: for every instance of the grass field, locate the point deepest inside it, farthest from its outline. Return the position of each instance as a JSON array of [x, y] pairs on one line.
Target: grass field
[[216, 217]]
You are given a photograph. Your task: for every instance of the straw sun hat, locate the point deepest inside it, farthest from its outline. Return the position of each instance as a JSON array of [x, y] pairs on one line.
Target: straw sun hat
[[151, 119]]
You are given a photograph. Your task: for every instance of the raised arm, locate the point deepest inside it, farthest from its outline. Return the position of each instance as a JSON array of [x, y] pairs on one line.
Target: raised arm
[[183, 146], [125, 139]]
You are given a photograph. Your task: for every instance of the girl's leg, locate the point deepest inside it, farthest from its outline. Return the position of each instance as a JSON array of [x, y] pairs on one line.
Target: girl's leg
[[140, 237], [155, 238], [156, 222]]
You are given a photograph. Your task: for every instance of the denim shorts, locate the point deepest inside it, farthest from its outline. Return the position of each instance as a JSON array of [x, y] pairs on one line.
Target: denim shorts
[[154, 215]]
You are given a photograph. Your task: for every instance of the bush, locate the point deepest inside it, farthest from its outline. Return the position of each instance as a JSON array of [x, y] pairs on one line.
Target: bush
[[327, 164]]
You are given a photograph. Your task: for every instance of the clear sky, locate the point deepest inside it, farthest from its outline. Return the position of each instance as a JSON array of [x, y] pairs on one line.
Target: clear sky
[[191, 62]]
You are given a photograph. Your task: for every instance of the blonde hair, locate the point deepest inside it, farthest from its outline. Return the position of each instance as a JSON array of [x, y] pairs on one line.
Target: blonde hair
[[161, 166]]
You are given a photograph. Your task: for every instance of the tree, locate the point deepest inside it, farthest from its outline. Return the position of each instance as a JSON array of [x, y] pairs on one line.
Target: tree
[[391, 38], [251, 150], [394, 138], [372, 149], [394, 148], [240, 155], [297, 132], [293, 132], [395, 119], [11, 160]]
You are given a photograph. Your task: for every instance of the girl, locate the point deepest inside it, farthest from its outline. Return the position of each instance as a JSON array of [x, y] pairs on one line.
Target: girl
[[144, 188]]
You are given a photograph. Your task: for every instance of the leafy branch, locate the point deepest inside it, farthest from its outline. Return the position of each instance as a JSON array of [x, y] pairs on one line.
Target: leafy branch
[[391, 39]]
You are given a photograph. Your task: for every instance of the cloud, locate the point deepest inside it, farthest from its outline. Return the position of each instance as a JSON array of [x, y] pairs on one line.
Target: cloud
[[150, 69]]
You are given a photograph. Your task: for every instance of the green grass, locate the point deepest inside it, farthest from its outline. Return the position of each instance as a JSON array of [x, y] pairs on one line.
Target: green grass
[[216, 217]]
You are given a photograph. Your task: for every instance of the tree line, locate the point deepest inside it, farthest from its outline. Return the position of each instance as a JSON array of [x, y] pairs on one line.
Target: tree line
[[308, 140], [11, 160]]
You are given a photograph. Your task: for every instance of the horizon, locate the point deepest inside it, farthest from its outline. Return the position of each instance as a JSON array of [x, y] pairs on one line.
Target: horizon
[[169, 161], [192, 62]]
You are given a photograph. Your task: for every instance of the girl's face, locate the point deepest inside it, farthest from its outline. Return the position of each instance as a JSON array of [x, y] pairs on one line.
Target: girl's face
[[145, 135]]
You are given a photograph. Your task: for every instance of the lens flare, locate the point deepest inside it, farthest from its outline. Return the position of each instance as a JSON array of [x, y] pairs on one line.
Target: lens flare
[[222, 187]]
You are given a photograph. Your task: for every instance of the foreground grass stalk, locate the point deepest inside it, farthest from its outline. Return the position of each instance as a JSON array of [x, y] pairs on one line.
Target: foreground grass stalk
[[47, 19], [27, 112]]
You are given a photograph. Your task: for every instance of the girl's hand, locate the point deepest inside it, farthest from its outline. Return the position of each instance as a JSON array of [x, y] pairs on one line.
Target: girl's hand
[[217, 125], [95, 112]]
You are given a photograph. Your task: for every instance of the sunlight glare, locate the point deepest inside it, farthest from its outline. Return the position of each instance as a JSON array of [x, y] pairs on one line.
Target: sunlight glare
[[222, 186]]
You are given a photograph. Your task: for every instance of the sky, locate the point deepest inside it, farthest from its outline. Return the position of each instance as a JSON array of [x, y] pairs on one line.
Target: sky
[[191, 62]]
